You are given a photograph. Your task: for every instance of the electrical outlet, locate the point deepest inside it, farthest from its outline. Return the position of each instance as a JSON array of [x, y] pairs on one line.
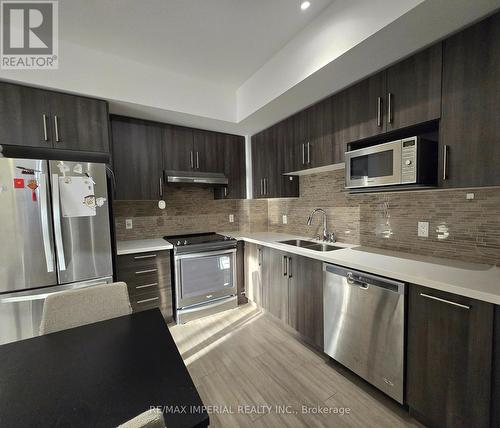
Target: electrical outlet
[[469, 196], [423, 229], [128, 223], [231, 218], [285, 219]]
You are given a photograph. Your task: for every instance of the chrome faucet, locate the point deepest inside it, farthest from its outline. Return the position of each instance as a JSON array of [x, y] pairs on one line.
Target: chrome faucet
[[329, 237]]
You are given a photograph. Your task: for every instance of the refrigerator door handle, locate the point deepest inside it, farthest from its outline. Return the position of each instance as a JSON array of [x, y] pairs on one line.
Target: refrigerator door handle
[[44, 218], [57, 222]]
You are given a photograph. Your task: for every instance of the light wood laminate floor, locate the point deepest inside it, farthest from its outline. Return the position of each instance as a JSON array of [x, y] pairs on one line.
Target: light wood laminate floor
[[244, 357]]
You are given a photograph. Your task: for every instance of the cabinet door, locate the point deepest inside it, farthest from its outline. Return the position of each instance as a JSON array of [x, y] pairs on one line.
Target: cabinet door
[[137, 163], [449, 359], [178, 148], [470, 129], [414, 88], [306, 298], [208, 151], [253, 272], [79, 123], [301, 138], [257, 165], [22, 112], [264, 162], [320, 149], [277, 290], [234, 167], [359, 110], [288, 186]]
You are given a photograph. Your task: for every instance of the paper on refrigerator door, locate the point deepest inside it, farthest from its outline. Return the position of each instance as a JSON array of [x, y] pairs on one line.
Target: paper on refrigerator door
[[77, 197]]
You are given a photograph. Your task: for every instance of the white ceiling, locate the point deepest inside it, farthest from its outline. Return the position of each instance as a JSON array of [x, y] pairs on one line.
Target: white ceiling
[[220, 41]]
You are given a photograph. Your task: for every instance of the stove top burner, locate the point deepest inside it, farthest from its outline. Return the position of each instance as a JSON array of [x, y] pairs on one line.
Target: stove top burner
[[197, 239]]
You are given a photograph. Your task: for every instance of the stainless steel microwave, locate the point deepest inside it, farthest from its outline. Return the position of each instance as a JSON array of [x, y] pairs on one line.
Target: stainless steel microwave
[[409, 161]]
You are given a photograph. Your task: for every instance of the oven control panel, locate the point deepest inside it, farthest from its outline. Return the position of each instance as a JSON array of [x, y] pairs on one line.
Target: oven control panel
[[409, 161]]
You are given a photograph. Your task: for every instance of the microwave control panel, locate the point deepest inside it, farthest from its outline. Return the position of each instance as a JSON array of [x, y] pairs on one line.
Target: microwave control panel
[[409, 161]]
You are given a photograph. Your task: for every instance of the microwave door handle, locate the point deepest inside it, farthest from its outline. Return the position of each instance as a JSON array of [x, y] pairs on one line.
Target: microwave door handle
[[56, 204], [44, 217]]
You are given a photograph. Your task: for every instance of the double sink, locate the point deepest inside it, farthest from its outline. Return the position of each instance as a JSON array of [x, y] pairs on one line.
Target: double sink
[[309, 245]]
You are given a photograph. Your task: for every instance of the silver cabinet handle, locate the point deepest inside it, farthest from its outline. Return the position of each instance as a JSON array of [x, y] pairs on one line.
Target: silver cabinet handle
[[45, 134], [259, 256], [225, 191], [389, 107], [284, 261], [44, 217], [161, 187], [57, 222], [152, 299], [379, 111], [197, 160], [308, 153], [146, 285], [139, 272], [265, 186], [428, 296], [445, 162], [289, 267], [56, 128], [303, 154], [261, 187], [191, 160], [148, 256]]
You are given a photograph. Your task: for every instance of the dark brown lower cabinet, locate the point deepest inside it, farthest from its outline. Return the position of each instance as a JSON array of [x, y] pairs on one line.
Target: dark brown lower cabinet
[[240, 272], [289, 287], [306, 299], [449, 357], [148, 280], [253, 272], [495, 393]]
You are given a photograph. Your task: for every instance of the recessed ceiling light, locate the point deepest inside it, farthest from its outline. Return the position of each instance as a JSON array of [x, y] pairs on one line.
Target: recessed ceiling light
[[304, 4]]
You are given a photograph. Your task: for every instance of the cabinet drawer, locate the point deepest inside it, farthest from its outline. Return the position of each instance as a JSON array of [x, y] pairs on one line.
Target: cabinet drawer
[[143, 260], [158, 298]]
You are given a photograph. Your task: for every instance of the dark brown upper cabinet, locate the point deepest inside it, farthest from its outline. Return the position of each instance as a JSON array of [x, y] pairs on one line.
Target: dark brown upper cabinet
[[35, 117], [414, 89], [79, 123], [358, 111], [313, 136], [137, 159], [272, 155], [470, 125], [233, 149], [449, 359], [208, 151], [178, 148]]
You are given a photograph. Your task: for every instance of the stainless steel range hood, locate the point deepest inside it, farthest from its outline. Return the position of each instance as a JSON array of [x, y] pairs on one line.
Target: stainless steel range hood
[[192, 177]]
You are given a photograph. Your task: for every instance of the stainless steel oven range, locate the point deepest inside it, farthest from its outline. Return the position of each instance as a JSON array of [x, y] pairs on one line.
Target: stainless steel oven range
[[204, 274]]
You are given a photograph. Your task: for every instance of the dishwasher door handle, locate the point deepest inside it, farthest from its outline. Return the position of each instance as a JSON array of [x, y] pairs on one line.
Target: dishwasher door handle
[[350, 280]]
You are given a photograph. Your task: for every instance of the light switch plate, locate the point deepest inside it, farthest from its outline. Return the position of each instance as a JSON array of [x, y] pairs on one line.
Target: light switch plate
[[469, 196], [128, 223], [423, 229], [231, 218], [285, 219]]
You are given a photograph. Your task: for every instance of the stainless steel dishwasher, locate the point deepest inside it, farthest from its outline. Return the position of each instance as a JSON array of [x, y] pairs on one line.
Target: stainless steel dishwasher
[[364, 326]]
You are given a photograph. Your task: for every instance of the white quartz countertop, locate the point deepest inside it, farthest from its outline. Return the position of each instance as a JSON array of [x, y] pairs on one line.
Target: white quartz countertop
[[472, 280], [142, 246]]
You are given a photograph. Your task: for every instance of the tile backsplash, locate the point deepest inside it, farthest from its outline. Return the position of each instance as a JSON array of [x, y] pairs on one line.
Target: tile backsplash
[[188, 210], [461, 229]]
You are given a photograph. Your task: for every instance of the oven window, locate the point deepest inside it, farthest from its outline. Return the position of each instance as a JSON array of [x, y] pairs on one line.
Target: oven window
[[206, 275], [373, 165]]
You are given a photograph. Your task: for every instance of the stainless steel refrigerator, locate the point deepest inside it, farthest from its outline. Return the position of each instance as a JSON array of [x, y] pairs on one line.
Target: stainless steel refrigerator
[[54, 235]]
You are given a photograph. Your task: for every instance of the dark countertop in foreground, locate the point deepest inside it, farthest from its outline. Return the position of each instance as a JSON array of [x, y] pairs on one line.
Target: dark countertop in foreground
[[97, 375]]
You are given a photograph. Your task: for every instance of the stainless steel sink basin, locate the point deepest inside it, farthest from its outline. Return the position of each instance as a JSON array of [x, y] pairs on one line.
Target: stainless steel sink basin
[[310, 245], [298, 243], [323, 247]]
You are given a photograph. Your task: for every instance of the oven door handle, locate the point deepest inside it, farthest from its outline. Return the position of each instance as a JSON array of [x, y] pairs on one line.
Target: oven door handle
[[204, 254]]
